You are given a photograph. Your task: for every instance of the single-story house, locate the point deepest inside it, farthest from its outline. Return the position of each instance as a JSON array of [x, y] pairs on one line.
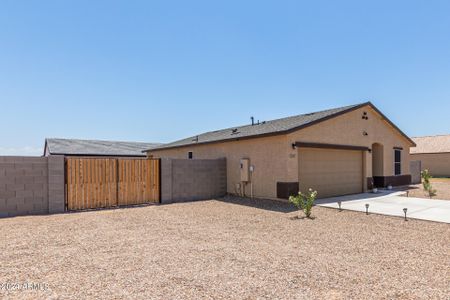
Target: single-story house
[[338, 151], [95, 148], [434, 154]]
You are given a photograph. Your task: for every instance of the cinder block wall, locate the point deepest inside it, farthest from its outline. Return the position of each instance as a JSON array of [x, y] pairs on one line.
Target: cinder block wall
[[416, 167], [192, 179], [31, 185]]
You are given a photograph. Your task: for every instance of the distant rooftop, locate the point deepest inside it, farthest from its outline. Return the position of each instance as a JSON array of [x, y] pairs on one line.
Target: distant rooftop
[[95, 147], [431, 144]]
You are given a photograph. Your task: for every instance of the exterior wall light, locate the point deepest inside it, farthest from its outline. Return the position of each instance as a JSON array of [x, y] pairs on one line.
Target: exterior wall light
[[367, 208]]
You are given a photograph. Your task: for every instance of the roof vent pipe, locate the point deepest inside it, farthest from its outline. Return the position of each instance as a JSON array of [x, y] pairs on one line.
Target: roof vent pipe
[[253, 120]]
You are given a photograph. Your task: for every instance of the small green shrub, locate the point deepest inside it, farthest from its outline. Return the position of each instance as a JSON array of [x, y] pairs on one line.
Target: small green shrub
[[304, 202], [425, 174]]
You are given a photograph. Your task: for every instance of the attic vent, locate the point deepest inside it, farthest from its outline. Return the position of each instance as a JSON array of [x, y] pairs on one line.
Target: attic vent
[[234, 131], [195, 139]]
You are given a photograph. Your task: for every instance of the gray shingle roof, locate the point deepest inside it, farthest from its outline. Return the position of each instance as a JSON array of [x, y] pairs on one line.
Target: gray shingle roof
[[96, 147], [273, 127]]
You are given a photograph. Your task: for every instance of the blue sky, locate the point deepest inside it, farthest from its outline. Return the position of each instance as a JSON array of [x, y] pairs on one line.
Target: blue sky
[[158, 71]]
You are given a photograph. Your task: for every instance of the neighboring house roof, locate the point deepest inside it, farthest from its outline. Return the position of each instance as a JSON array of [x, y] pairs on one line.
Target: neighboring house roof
[[274, 127], [431, 144], [95, 147]]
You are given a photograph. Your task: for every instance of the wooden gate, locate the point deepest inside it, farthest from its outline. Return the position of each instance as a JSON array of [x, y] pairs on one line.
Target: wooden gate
[[109, 182]]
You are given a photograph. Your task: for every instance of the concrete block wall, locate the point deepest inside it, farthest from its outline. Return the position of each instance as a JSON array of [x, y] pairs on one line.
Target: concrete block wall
[[192, 179], [31, 185], [416, 168]]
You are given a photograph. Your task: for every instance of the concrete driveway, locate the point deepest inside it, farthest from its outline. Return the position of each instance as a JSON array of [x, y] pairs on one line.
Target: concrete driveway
[[392, 203]]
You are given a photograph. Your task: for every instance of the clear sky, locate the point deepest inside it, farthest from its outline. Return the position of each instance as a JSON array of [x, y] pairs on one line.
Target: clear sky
[[158, 71]]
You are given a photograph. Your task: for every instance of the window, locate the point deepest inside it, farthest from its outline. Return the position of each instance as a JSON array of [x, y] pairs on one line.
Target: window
[[190, 155], [398, 162]]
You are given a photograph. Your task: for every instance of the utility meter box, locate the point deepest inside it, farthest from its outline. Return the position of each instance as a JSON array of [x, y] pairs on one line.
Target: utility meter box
[[245, 166]]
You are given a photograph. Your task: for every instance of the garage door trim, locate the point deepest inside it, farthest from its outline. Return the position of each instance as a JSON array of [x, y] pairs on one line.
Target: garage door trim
[[330, 146]]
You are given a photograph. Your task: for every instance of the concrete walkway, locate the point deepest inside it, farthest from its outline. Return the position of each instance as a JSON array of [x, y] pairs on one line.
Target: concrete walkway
[[391, 203]]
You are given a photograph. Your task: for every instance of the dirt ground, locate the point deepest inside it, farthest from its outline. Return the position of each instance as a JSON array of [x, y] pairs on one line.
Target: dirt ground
[[442, 186], [222, 249]]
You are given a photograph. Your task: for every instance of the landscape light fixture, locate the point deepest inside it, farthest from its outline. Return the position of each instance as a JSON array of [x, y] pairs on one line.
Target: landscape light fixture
[[367, 208], [405, 210], [339, 203]]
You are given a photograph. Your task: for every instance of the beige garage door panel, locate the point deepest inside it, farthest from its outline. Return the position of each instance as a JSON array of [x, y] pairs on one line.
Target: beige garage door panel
[[330, 172]]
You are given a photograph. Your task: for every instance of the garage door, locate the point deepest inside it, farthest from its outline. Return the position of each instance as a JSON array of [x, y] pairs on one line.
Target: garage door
[[331, 172]]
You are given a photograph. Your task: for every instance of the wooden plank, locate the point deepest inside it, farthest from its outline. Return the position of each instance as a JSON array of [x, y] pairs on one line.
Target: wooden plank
[[89, 190], [106, 183], [158, 180], [95, 183], [149, 180], [120, 172], [76, 174], [75, 181], [76, 178], [68, 178], [100, 196], [87, 178], [102, 185], [69, 183], [73, 195], [85, 184], [92, 200], [88, 183], [129, 184]]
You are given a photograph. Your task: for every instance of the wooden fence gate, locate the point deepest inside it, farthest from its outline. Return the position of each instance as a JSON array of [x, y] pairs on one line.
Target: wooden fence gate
[[109, 182]]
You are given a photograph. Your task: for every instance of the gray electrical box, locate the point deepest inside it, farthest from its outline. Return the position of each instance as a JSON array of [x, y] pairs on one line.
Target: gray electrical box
[[245, 173]]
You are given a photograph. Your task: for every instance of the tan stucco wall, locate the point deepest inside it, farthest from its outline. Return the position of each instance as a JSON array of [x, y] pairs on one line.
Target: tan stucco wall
[[268, 155], [348, 129], [275, 159], [437, 163]]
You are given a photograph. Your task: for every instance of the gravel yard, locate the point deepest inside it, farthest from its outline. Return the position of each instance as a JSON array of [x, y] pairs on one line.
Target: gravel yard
[[442, 186], [221, 249]]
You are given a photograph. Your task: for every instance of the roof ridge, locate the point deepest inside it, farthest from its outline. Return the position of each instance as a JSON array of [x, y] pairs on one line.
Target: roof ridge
[[271, 127], [284, 118], [424, 136]]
